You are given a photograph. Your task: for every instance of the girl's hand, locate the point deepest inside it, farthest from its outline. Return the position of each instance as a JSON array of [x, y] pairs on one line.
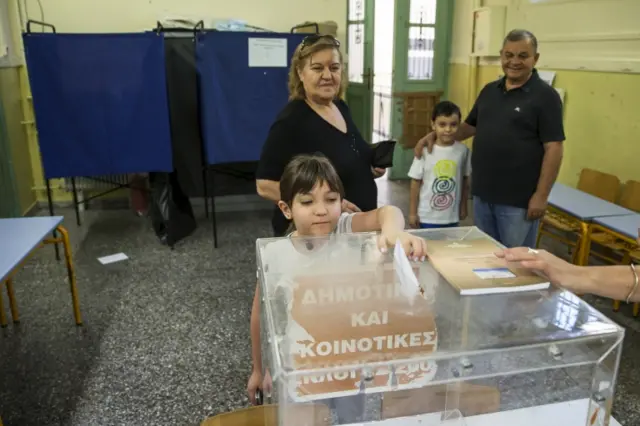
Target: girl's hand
[[415, 247], [255, 381], [267, 384]]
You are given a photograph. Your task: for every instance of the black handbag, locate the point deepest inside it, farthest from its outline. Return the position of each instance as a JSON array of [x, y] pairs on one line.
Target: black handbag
[[383, 154]]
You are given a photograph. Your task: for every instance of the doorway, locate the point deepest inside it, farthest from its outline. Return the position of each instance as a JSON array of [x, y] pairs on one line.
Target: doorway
[[384, 24], [394, 47]]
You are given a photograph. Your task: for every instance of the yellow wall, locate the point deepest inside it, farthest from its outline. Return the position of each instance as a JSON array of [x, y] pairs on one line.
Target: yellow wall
[[10, 97], [75, 16], [597, 63]]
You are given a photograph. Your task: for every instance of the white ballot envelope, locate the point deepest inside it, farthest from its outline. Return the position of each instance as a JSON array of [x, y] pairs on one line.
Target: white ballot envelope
[[407, 280]]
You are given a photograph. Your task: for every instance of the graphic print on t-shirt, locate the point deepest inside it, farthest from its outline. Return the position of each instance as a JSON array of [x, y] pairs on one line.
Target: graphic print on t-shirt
[[444, 185], [441, 175]]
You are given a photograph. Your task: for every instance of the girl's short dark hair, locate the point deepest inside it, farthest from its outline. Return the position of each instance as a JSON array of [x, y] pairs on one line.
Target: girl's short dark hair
[[304, 172], [445, 109]]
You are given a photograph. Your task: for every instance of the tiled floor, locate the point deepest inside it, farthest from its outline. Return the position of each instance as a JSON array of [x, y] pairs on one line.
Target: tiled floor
[[165, 340]]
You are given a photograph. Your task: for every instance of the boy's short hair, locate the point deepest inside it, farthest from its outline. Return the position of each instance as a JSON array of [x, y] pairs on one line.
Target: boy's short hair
[[445, 109]]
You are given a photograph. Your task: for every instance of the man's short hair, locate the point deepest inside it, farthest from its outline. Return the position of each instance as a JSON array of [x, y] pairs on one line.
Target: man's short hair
[[519, 35]]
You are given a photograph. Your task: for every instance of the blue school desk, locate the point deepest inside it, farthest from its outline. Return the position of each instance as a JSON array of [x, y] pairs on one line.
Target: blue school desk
[[19, 238], [625, 229], [583, 208]]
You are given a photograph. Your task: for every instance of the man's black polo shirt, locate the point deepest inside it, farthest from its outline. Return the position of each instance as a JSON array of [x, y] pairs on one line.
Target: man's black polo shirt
[[512, 127]]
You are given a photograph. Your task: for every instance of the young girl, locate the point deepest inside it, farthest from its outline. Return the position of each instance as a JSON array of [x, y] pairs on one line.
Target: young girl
[[311, 196], [440, 179]]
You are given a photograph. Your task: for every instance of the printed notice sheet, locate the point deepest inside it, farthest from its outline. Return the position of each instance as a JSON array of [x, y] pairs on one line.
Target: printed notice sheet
[[267, 52]]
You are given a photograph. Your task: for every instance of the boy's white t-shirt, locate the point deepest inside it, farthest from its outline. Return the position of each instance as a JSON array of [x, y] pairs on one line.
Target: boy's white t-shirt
[[441, 172]]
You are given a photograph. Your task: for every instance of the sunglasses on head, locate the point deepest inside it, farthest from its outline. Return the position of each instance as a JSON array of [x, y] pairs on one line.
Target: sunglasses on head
[[312, 39]]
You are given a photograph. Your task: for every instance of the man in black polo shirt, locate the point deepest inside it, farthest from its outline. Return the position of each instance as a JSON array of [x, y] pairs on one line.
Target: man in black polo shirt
[[517, 149]]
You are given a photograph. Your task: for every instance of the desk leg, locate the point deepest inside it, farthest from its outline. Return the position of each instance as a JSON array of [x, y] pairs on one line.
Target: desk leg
[[205, 177], [55, 245], [584, 248], [12, 302], [539, 235], [213, 220], [213, 210], [3, 317], [76, 205], [616, 305], [72, 274]]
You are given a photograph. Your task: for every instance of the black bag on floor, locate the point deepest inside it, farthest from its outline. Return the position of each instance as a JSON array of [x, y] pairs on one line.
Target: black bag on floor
[[171, 212], [184, 111]]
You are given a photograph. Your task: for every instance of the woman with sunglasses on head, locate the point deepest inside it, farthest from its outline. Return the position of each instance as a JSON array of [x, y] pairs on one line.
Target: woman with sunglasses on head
[[317, 120], [618, 282]]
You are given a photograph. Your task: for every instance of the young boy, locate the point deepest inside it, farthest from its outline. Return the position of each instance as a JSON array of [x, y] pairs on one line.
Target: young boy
[[440, 180]]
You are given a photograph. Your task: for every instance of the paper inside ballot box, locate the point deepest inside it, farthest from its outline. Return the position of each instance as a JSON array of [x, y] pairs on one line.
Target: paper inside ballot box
[[470, 399], [472, 264], [272, 415], [351, 319]]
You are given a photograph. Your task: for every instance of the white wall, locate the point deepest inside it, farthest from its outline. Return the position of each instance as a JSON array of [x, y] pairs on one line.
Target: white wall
[[139, 15]]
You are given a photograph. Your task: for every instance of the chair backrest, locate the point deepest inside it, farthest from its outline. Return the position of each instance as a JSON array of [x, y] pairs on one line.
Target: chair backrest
[[599, 184], [630, 197], [267, 415]]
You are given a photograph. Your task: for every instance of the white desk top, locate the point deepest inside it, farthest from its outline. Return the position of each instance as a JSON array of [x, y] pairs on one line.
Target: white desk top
[[626, 225], [19, 236], [582, 205], [571, 413]]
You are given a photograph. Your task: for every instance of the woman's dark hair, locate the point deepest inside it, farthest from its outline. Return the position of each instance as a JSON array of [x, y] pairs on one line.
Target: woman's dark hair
[[306, 171], [445, 109]]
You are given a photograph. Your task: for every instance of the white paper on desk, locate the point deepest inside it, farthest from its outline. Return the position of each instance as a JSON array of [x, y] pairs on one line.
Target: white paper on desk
[[493, 273], [267, 52], [105, 260], [407, 280]]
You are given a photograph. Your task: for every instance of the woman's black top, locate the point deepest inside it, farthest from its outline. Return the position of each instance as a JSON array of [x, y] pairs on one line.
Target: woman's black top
[[298, 129]]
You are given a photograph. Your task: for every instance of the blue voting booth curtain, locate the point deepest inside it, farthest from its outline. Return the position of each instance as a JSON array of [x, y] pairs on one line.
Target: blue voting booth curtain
[[100, 103], [242, 90]]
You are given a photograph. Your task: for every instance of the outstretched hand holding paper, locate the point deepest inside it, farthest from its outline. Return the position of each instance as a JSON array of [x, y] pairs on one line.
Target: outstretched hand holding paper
[[407, 280]]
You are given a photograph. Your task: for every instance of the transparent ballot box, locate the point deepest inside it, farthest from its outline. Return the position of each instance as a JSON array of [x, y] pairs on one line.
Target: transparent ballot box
[[349, 337]]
